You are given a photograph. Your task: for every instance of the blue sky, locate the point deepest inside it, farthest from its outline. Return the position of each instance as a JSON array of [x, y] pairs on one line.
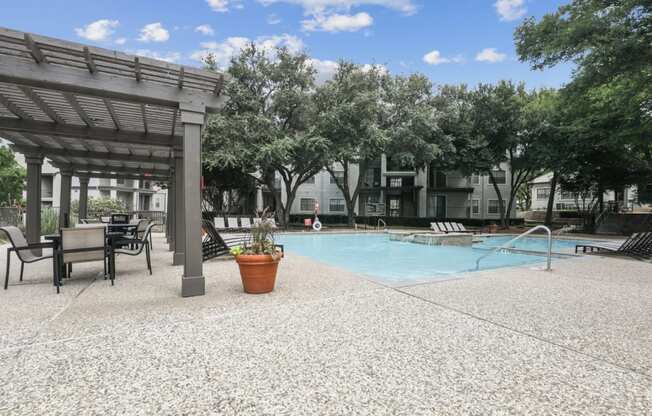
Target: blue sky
[[451, 41]]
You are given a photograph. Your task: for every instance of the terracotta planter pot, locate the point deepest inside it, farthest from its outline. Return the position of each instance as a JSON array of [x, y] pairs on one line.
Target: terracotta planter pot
[[258, 272]]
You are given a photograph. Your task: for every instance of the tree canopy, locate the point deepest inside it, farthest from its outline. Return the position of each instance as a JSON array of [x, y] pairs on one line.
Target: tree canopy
[[13, 178]]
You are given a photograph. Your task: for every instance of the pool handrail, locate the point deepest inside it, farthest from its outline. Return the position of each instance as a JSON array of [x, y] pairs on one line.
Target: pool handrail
[[378, 224], [508, 244]]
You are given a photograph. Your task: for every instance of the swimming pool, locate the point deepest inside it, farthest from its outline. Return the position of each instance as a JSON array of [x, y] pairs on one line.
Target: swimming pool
[[376, 256], [529, 243]]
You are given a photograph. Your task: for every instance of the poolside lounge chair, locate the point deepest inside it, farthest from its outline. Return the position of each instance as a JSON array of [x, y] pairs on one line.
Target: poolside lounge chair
[[245, 223], [637, 245], [219, 223], [440, 226], [214, 245], [461, 229], [232, 224], [435, 228], [453, 227]]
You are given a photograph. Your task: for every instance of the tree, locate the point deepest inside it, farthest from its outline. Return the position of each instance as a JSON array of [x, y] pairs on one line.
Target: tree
[[227, 189], [13, 178], [499, 135], [347, 116], [608, 102], [265, 127]]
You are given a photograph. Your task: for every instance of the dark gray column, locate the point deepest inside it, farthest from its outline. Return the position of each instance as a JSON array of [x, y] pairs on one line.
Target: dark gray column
[[34, 164], [83, 196], [171, 210], [193, 278], [64, 197], [179, 232]]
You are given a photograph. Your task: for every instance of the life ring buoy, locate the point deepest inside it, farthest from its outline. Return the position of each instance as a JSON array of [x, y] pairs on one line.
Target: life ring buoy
[[316, 225]]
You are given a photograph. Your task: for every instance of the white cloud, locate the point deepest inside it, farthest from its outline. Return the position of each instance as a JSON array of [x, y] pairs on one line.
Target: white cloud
[[435, 58], [166, 56], [121, 41], [338, 22], [98, 30], [510, 9], [273, 19], [205, 29], [490, 55], [312, 7], [325, 70], [224, 51], [154, 32], [220, 6]]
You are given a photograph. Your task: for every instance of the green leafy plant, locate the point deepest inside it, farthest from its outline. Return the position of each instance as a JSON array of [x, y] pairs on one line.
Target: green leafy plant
[[262, 237], [49, 221], [236, 251]]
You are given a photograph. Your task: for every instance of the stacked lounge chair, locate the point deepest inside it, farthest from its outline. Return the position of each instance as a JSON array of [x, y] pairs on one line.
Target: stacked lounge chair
[[214, 245], [637, 245], [448, 227]]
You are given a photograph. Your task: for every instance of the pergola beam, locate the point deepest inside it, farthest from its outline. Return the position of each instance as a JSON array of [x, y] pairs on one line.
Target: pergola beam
[[88, 167], [95, 155], [29, 92], [104, 175], [21, 72], [84, 132]]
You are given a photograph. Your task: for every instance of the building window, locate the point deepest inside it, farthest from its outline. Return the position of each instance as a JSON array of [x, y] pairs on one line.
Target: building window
[[310, 179], [475, 179], [493, 207], [120, 181], [499, 177], [336, 205], [307, 204], [395, 207], [543, 193], [475, 206], [395, 182], [568, 195], [339, 177]]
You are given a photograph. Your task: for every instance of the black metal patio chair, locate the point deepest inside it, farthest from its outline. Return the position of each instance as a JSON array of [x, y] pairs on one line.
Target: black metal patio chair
[[136, 245], [24, 251]]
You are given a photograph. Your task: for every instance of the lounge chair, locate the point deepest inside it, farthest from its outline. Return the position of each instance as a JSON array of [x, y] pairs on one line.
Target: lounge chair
[[637, 245], [219, 223], [442, 227], [435, 228], [24, 251], [461, 229], [245, 223], [453, 227], [214, 245], [232, 224]]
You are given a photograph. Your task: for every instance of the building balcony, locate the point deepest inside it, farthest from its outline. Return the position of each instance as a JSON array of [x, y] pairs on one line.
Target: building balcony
[[451, 189]]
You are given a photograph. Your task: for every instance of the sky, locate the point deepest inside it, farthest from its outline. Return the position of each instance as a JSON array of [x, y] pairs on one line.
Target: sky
[[450, 41]]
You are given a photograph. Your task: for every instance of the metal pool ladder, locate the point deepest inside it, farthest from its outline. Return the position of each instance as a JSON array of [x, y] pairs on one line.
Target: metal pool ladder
[[378, 224], [508, 244]]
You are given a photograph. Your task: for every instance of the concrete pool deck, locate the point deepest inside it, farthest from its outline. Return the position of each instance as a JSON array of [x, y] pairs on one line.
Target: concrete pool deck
[[577, 340]]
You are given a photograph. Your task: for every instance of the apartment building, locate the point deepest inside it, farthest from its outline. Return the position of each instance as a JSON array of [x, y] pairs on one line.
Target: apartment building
[[392, 190]]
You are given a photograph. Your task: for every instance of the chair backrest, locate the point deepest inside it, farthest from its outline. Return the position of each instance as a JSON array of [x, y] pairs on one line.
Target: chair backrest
[[212, 233], [90, 225], [142, 225], [307, 222], [232, 222], [449, 226], [119, 219], [83, 244], [455, 226], [146, 231], [219, 223], [461, 226], [17, 239], [442, 227], [245, 222], [640, 245]]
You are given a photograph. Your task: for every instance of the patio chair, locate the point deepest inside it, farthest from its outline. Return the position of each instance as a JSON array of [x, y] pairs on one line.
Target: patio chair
[[105, 220], [138, 233], [82, 245], [232, 224], [136, 244], [461, 229], [219, 223], [442, 227], [214, 245], [119, 219], [434, 227], [453, 227], [24, 251], [637, 245]]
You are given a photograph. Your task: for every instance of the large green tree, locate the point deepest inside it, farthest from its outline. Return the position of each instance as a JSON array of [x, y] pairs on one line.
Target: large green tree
[[347, 114], [265, 129], [13, 178], [607, 106]]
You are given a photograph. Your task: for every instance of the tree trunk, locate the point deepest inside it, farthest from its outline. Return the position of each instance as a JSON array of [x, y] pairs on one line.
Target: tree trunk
[[501, 202], [551, 199]]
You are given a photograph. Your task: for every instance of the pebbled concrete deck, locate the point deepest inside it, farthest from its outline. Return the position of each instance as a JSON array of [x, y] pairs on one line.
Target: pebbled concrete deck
[[515, 341]]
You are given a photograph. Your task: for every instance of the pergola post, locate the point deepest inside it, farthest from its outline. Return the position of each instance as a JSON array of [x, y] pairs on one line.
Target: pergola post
[[171, 214], [192, 283], [64, 197], [179, 232], [83, 196], [34, 164], [259, 199]]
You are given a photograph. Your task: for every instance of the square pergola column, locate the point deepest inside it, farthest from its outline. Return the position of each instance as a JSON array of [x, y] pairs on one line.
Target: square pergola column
[[33, 221], [64, 197], [192, 118], [179, 232], [83, 196], [171, 211]]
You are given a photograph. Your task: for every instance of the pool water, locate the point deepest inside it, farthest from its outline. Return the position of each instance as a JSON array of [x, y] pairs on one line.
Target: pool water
[[529, 243], [376, 256]]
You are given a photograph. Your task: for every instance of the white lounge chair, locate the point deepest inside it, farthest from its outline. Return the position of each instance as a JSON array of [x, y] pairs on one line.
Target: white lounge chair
[[219, 223], [245, 223], [442, 227], [435, 228], [232, 223]]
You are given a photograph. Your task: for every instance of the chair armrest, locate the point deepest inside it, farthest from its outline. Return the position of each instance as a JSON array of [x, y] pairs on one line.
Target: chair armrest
[[38, 245]]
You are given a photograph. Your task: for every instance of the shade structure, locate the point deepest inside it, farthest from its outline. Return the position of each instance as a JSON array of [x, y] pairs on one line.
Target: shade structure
[[99, 113]]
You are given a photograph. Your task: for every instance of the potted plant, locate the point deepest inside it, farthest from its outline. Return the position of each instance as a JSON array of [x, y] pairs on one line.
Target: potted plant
[[258, 260]]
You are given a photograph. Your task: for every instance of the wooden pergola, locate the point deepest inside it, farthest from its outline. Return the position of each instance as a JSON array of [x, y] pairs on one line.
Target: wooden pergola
[[105, 114]]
